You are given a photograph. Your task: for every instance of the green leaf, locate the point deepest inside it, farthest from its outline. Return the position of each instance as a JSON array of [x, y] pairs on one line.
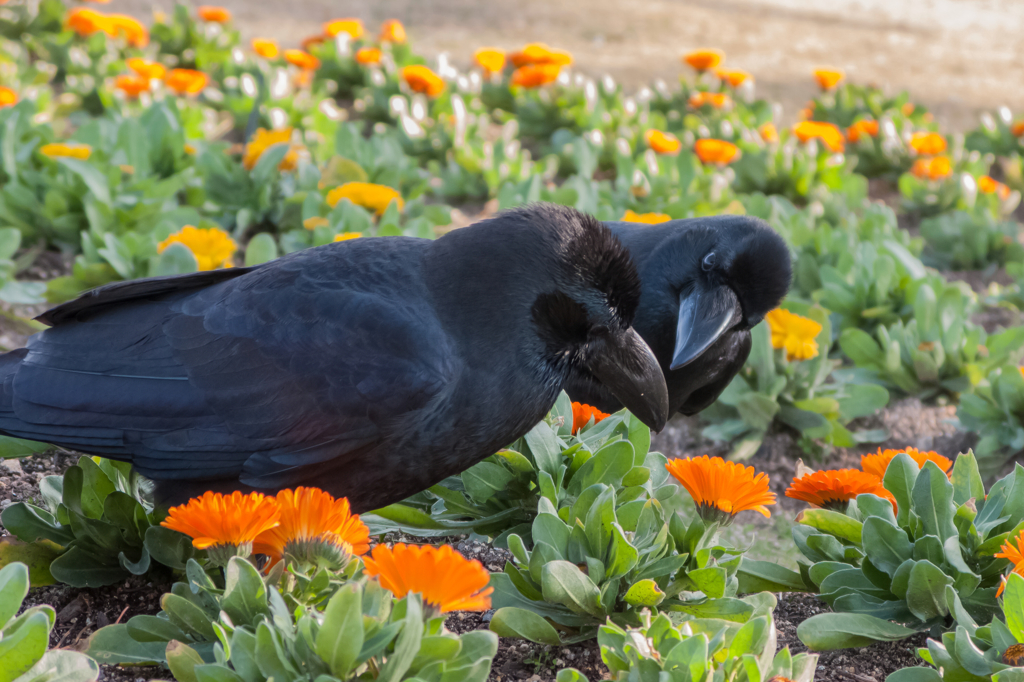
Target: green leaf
[[711, 580], [146, 628], [261, 249], [644, 593], [188, 616], [750, 638], [484, 480], [545, 447], [608, 465], [22, 648], [830, 631], [80, 568], [765, 576], [933, 501], [1013, 605], [564, 583], [966, 479], [176, 259], [93, 178], [833, 523], [926, 591], [13, 448], [245, 595], [63, 666], [522, 624], [14, 582], [915, 674], [408, 644], [570, 675], [30, 523], [886, 545], [112, 645], [341, 635], [899, 480], [182, 660]]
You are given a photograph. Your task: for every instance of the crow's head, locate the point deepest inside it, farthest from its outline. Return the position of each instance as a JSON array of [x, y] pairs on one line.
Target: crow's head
[[723, 272], [585, 319]]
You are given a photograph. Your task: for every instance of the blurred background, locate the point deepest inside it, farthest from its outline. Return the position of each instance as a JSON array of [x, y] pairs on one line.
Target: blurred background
[[958, 57]]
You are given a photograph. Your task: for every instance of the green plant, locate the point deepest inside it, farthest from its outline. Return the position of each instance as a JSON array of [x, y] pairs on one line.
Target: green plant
[[100, 523], [973, 240], [995, 410], [884, 568], [24, 638]]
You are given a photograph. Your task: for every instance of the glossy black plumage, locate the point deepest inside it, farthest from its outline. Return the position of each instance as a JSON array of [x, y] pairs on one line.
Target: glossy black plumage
[[748, 259], [371, 368]]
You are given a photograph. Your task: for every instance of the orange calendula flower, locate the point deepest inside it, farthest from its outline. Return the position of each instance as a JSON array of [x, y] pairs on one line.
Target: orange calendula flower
[[147, 69], [722, 489], [186, 81], [70, 150], [1017, 129], [988, 185], [266, 48], [535, 75], [631, 216], [877, 464], [314, 528], [582, 414], [719, 152], [422, 79], [1012, 550], [662, 142], [795, 333], [228, 523], [927, 144], [302, 59], [132, 85], [828, 133], [704, 59], [937, 168], [539, 53], [212, 247], [134, 32], [828, 78], [445, 580], [861, 129], [833, 489], [768, 132], [716, 100], [346, 236], [263, 140], [392, 31], [353, 27], [368, 55], [490, 59], [213, 14], [734, 77], [8, 97], [85, 22], [366, 194]]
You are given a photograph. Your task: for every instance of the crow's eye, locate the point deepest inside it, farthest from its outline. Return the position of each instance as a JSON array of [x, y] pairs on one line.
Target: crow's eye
[[708, 262]]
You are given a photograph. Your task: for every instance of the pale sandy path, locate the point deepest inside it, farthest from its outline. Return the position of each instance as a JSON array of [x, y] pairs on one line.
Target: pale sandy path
[[956, 56]]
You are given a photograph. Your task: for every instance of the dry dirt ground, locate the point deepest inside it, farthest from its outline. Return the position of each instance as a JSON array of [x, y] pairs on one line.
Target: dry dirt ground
[[958, 57]]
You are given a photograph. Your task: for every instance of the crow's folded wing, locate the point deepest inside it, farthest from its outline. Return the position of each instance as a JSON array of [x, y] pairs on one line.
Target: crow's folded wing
[[265, 376]]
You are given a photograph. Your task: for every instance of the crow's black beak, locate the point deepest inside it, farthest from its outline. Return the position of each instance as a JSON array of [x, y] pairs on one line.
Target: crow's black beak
[[625, 365], [704, 315]]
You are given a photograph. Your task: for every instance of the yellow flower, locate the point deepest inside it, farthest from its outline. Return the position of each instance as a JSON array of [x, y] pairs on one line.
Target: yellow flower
[[134, 32], [716, 100], [212, 247], [540, 54], [216, 15], [74, 151], [346, 236], [863, 128], [722, 489], [794, 333], [131, 84], [392, 31], [314, 527], [828, 133], [368, 55], [768, 132], [353, 27], [446, 580], [422, 79], [705, 59], [366, 194], [266, 48], [302, 59], [224, 524], [719, 152], [927, 144], [661, 142], [828, 78], [190, 149], [8, 97], [315, 222], [147, 69], [186, 81], [490, 59], [649, 218], [988, 185], [734, 77], [264, 139], [936, 168], [535, 75]]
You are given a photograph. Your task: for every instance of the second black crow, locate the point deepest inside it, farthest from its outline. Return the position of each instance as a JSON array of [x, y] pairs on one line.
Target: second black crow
[[371, 368], [706, 283]]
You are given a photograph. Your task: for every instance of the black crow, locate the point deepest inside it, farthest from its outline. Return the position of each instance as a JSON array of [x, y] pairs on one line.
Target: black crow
[[706, 283], [371, 368]]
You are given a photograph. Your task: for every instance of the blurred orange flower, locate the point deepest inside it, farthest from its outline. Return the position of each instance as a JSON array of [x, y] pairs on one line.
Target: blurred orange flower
[[8, 97], [490, 59], [704, 59], [720, 152], [85, 21], [302, 59], [1017, 129], [877, 463], [266, 48], [862, 128], [353, 27], [768, 132], [211, 13], [828, 133], [718, 100], [147, 69], [988, 185], [421, 79], [346, 236], [135, 33], [535, 75], [662, 142], [212, 248], [71, 150], [132, 84], [186, 81], [935, 168], [927, 144], [734, 77], [631, 216], [392, 31], [262, 140], [375, 197], [368, 55], [539, 53], [828, 78]]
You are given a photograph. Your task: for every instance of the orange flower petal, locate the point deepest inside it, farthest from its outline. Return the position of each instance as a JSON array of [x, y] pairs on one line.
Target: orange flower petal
[[714, 483], [444, 578]]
